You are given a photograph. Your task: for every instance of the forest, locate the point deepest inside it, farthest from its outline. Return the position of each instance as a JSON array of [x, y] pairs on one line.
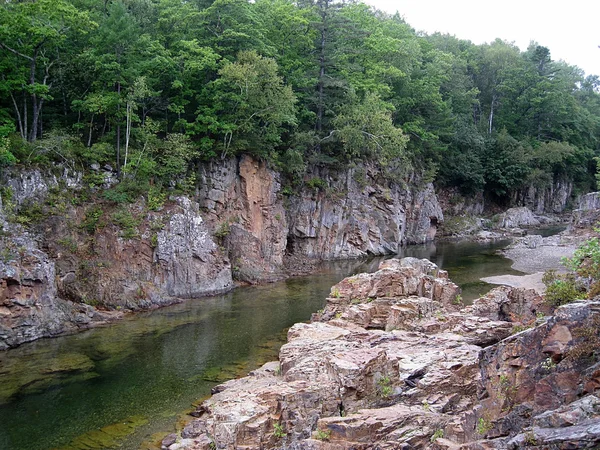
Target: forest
[[154, 88]]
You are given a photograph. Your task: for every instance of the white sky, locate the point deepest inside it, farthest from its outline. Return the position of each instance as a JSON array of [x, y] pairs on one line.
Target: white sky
[[570, 29]]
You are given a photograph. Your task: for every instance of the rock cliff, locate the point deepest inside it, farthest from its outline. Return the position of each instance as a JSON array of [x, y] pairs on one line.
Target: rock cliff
[[73, 258], [58, 275], [395, 362], [332, 215]]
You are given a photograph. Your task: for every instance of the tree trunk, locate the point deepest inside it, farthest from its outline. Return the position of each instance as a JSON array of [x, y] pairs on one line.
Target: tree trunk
[[118, 133], [18, 113], [89, 142], [491, 121], [127, 133], [34, 101]]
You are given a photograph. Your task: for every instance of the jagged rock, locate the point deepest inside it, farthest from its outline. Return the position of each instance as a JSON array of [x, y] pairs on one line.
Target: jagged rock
[[588, 210], [553, 199], [343, 382], [189, 261], [48, 280], [29, 306], [241, 198], [345, 216]]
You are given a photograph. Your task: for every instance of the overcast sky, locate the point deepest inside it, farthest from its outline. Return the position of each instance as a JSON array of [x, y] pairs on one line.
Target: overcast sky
[[570, 29]]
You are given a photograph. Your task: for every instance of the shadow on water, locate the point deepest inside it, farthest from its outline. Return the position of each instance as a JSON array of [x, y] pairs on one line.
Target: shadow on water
[[118, 385]]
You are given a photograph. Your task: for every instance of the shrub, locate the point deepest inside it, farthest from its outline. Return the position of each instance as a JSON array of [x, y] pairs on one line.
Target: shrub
[[561, 289], [317, 184], [156, 198], [91, 221], [125, 220], [586, 260]]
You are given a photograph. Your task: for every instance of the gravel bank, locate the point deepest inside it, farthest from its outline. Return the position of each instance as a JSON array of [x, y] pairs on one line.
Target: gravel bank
[[533, 255]]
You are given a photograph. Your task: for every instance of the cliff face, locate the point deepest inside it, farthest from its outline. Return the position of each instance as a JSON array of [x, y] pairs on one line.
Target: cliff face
[[69, 264], [57, 276], [334, 215]]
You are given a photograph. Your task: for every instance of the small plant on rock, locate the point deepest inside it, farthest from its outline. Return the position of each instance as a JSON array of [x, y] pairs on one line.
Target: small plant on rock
[[278, 431], [561, 288], [483, 426], [437, 435], [384, 387], [323, 435], [548, 364]]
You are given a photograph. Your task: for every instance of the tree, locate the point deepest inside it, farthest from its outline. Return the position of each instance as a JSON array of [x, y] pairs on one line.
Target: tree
[[31, 38], [249, 106]]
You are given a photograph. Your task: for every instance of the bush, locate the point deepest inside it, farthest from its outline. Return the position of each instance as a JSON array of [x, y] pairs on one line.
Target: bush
[[125, 220], [586, 260], [561, 289], [91, 221]]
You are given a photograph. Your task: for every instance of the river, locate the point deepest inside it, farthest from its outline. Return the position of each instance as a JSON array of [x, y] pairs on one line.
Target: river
[[119, 385]]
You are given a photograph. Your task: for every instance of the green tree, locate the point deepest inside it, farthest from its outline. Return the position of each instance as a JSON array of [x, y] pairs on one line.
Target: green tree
[[32, 35]]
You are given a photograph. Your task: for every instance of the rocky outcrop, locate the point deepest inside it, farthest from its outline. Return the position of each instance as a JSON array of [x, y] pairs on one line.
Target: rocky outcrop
[[587, 213], [29, 305], [55, 277], [242, 203], [394, 361], [106, 255], [517, 217], [550, 200], [334, 215]]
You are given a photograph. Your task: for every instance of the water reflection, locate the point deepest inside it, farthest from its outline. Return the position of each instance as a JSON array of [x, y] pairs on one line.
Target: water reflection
[[118, 385]]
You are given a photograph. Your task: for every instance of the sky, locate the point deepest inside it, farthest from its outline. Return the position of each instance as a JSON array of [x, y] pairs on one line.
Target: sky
[[570, 29]]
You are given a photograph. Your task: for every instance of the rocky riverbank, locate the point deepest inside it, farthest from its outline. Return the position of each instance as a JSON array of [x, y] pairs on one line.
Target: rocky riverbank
[[75, 252], [395, 361]]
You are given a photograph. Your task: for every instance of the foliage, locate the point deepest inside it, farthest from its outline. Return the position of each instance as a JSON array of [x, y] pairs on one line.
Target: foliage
[[92, 218], [483, 426], [437, 435], [586, 259], [561, 288], [127, 222], [152, 88], [278, 430], [323, 435], [384, 387]]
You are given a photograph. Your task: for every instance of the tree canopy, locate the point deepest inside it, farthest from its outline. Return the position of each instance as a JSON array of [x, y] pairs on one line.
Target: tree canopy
[[141, 84]]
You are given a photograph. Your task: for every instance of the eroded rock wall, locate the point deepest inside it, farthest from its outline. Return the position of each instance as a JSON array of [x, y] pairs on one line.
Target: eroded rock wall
[[334, 215], [551, 200], [56, 276], [68, 253]]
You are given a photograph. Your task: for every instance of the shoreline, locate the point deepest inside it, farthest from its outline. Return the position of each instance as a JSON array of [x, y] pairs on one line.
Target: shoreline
[[534, 255]]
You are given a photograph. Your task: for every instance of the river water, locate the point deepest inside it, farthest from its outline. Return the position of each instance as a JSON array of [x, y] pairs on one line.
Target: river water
[[119, 385]]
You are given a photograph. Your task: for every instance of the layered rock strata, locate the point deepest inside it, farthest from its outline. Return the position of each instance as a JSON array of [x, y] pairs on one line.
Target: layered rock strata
[[394, 361]]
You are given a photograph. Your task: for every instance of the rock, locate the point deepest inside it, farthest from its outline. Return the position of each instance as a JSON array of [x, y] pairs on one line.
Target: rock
[[552, 199], [188, 260], [345, 382], [588, 210], [384, 367], [355, 213], [517, 217]]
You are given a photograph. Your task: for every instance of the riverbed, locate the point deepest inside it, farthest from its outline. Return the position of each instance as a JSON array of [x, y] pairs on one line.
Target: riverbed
[[118, 385]]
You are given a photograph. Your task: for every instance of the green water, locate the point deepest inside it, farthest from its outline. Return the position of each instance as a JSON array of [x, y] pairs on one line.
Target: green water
[[466, 262], [117, 386]]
